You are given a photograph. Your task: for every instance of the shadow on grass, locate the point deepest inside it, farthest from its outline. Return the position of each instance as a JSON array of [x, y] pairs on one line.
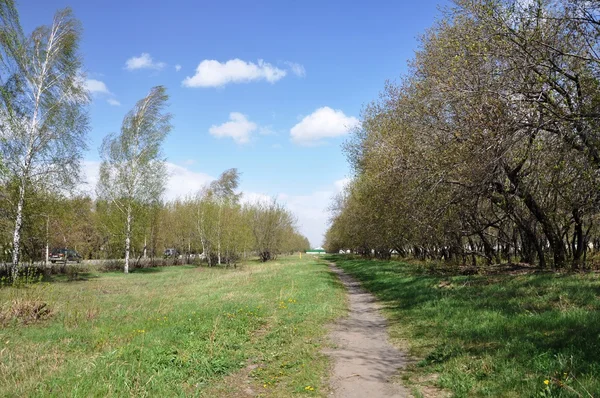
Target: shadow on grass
[[65, 278], [531, 327], [147, 270]]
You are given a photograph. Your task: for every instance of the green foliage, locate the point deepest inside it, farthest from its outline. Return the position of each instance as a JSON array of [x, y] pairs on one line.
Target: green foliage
[[489, 148]]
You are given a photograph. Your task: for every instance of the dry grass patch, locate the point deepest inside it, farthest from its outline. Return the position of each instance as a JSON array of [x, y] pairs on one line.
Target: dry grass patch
[[24, 311]]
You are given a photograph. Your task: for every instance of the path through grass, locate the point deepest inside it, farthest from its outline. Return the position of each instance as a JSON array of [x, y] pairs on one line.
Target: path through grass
[[176, 331], [495, 336]]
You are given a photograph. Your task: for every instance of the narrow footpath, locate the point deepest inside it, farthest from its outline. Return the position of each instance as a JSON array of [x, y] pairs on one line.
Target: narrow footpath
[[364, 361]]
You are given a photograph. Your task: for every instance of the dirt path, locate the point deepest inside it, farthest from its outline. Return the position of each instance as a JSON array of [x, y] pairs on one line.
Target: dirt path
[[364, 360]]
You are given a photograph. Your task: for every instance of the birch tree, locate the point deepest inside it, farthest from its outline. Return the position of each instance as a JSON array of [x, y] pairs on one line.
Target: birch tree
[[133, 170], [43, 119], [223, 191], [206, 222]]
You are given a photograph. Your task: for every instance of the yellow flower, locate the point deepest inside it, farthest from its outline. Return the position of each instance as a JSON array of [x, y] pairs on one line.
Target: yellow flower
[[546, 382]]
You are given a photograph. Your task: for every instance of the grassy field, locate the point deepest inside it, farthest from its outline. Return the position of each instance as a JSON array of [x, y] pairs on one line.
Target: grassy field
[[173, 331], [496, 335]]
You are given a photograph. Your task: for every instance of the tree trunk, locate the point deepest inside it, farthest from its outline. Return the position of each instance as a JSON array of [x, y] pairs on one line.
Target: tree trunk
[[548, 226], [17, 233], [487, 248], [219, 235], [127, 239], [578, 241]]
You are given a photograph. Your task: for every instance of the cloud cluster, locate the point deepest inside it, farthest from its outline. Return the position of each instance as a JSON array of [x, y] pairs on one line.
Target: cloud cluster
[[144, 61], [184, 182], [312, 130], [212, 73], [322, 123], [96, 87], [99, 88], [296, 69], [238, 127]]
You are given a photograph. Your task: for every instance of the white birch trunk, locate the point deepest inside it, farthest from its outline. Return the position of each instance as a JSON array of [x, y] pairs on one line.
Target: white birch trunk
[[219, 234], [17, 233], [127, 239], [201, 228]]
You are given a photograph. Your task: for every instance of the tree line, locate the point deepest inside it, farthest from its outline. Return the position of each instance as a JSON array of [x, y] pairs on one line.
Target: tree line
[[488, 149], [214, 224], [43, 130]]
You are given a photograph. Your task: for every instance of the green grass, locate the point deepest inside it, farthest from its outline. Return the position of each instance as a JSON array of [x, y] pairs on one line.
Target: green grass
[[495, 335], [174, 331]]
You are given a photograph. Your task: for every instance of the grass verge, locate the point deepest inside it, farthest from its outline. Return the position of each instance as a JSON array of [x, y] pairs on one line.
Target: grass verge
[[496, 335], [174, 331]]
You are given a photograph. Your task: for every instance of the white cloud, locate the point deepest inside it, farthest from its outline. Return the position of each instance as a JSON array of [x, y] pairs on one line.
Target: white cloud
[[90, 171], [266, 130], [96, 86], [99, 88], [238, 127], [189, 162], [311, 212], [296, 69], [212, 73], [183, 182], [322, 123], [177, 68], [144, 61]]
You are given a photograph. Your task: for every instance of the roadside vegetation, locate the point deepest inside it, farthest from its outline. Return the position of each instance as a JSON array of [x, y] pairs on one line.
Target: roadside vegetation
[[173, 331], [509, 333]]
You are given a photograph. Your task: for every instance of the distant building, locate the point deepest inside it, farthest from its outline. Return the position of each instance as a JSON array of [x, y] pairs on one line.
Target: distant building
[[318, 250]]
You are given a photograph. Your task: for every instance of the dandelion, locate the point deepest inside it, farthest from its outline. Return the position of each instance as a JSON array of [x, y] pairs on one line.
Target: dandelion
[[546, 382]]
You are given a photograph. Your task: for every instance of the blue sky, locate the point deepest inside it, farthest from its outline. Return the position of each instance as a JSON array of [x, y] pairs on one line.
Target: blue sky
[[269, 87]]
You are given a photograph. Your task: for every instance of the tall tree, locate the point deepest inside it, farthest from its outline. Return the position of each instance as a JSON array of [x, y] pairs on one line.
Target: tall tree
[[133, 171], [43, 120], [223, 191], [271, 225]]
